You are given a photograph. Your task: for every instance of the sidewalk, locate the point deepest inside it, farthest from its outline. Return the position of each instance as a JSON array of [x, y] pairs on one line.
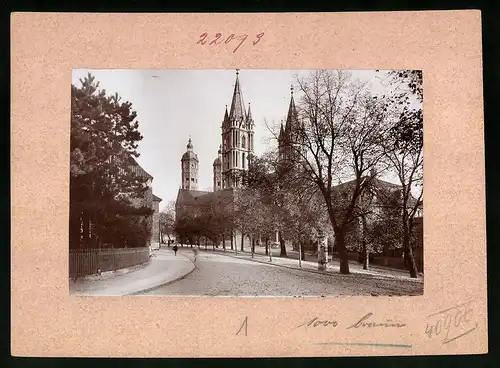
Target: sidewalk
[[163, 268], [332, 268]]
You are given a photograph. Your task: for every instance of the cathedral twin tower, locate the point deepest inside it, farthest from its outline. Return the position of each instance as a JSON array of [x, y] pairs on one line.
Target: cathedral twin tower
[[233, 155], [237, 145]]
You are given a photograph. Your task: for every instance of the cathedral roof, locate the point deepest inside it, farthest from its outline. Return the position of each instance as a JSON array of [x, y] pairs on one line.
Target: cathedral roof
[[190, 198], [237, 112]]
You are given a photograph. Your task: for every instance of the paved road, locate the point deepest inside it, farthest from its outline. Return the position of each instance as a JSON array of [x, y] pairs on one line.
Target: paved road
[[219, 275]]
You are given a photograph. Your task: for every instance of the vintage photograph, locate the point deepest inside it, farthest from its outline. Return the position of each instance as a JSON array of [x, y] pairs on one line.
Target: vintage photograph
[[247, 183]]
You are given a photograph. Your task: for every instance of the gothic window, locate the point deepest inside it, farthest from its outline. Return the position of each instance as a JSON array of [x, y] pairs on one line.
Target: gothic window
[[243, 159], [243, 141], [237, 156]]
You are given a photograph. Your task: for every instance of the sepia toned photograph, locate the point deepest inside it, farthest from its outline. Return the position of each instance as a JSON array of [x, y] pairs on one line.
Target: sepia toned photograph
[[246, 183]]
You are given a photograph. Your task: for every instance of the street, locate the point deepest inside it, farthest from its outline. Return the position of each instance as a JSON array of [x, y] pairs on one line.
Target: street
[[220, 275]]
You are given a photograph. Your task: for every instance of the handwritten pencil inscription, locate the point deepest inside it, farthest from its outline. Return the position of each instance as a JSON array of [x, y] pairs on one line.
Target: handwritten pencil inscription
[[452, 323], [243, 325], [315, 322], [367, 322], [219, 38]]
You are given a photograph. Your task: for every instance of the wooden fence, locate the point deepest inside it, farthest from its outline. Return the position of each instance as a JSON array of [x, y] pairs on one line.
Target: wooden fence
[[83, 262]]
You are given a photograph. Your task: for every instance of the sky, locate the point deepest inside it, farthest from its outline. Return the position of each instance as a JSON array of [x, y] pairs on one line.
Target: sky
[[175, 105]]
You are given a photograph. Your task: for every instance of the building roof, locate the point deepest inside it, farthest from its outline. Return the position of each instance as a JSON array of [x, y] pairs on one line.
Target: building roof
[[138, 168], [378, 185], [186, 197], [156, 198], [196, 198]]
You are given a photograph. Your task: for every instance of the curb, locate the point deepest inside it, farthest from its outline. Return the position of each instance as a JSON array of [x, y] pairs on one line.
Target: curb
[[163, 284], [278, 265], [315, 271]]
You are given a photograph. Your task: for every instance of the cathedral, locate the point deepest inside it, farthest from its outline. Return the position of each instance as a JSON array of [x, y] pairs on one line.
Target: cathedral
[[235, 150]]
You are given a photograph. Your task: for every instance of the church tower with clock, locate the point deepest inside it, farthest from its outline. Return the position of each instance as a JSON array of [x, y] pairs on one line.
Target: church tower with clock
[[189, 168]]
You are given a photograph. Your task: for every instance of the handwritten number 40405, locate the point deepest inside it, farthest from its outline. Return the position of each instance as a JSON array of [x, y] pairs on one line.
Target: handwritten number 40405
[[226, 40]]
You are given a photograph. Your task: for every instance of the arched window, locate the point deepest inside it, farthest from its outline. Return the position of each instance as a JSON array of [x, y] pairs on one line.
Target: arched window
[[243, 141]]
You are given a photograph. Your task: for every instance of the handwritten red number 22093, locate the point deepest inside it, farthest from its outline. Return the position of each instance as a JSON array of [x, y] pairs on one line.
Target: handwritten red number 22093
[[219, 39]]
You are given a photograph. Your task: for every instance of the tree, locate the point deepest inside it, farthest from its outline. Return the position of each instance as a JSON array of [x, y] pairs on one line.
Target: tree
[[266, 177], [305, 218], [404, 150], [167, 221], [339, 136], [104, 177], [377, 229]]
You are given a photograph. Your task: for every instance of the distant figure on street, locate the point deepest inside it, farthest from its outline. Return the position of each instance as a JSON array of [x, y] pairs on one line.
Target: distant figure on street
[[195, 251], [175, 249]]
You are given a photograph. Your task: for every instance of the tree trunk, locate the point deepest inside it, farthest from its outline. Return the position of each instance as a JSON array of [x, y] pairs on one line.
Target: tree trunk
[[408, 252], [344, 258], [366, 260], [224, 242], [232, 240], [242, 241], [267, 247], [253, 246], [366, 252], [302, 251], [282, 246]]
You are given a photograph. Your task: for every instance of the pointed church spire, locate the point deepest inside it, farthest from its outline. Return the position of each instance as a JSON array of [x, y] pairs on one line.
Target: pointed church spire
[[237, 112], [291, 118], [249, 114], [189, 145], [226, 115], [282, 133]]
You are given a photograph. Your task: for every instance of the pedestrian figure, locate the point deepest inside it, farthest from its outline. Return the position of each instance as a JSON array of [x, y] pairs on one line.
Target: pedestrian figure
[[175, 249], [195, 251]]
